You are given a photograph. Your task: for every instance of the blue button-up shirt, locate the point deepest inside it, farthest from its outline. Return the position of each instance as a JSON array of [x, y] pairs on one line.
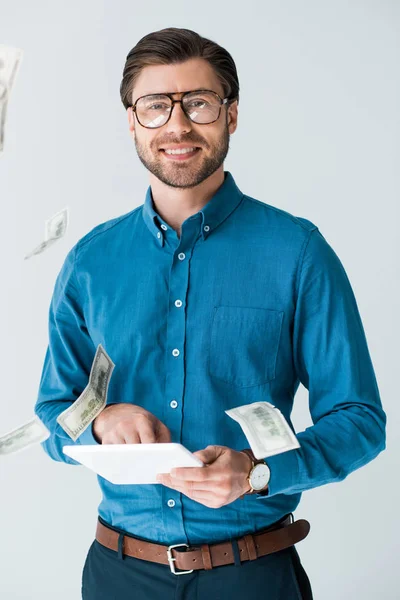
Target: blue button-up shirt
[[246, 304]]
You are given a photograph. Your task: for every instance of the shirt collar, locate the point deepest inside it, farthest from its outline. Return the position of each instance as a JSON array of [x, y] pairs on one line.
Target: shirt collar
[[218, 208]]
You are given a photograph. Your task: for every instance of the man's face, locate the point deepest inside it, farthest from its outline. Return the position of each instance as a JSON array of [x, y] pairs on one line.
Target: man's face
[[212, 138]]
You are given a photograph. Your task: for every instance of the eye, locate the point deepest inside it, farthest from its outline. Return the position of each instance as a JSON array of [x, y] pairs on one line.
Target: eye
[[198, 102], [156, 106]]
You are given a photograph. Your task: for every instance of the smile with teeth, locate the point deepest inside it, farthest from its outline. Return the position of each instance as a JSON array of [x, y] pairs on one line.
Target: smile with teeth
[[180, 151]]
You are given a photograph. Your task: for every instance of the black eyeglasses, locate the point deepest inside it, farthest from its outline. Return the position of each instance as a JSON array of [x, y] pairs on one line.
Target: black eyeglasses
[[200, 106]]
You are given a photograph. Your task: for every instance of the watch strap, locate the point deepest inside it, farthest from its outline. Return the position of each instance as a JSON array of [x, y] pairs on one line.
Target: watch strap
[[255, 460]]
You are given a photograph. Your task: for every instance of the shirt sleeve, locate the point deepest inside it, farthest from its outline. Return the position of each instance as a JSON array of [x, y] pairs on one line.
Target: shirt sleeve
[[332, 361], [67, 362]]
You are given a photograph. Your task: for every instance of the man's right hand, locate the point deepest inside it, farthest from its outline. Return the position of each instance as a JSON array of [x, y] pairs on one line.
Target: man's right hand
[[129, 424]]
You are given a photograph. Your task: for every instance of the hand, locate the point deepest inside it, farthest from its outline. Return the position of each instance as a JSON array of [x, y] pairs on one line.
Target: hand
[[222, 480], [129, 424]]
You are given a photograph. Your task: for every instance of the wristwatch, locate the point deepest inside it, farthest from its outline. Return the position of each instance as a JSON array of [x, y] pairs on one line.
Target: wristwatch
[[259, 475]]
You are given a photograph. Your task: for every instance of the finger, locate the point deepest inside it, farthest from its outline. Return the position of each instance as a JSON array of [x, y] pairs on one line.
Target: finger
[[206, 473], [163, 434], [131, 437], [112, 437], [205, 497], [164, 479], [190, 487], [127, 430], [210, 454], [187, 487], [145, 431]]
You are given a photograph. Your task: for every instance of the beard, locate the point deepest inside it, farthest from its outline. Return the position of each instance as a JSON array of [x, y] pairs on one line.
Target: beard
[[181, 174]]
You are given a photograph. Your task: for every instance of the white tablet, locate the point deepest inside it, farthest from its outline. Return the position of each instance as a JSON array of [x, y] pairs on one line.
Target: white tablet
[[132, 463]]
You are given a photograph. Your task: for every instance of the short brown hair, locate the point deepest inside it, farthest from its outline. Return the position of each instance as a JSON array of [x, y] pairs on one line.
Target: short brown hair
[[172, 46]]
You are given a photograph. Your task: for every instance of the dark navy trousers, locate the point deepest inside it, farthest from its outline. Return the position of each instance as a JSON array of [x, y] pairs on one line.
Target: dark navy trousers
[[109, 576]]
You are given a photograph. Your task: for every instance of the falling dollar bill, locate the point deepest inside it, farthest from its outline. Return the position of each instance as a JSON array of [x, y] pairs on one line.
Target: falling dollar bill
[[75, 419], [55, 228], [26, 435], [265, 428], [10, 59]]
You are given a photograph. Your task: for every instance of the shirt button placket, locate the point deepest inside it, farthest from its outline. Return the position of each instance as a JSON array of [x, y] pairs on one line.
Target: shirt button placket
[[175, 373]]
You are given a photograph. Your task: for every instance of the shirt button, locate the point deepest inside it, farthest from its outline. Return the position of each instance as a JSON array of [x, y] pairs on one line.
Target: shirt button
[[206, 228], [158, 234], [171, 502], [173, 404], [181, 256], [175, 352], [178, 303], [163, 227]]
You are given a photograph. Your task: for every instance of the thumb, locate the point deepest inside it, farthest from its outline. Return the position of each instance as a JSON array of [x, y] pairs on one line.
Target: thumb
[[208, 455]]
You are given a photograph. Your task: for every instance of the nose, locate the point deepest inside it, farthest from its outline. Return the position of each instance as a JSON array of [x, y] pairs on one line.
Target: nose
[[178, 121]]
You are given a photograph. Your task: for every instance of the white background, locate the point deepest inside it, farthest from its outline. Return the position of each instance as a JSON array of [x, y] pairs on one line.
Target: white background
[[318, 136]]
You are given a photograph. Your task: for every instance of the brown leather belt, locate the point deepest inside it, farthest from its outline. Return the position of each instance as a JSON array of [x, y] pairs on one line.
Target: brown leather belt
[[278, 536]]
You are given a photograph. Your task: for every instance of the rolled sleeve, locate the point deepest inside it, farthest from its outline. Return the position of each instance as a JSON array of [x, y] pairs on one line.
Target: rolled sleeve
[[332, 360]]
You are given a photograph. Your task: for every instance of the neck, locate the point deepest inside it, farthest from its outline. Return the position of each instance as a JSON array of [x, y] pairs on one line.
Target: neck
[[175, 205]]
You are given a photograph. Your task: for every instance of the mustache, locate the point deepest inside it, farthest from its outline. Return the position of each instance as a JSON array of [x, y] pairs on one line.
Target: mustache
[[177, 142]]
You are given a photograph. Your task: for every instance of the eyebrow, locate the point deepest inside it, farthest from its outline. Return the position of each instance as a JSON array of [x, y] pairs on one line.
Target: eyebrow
[[165, 93]]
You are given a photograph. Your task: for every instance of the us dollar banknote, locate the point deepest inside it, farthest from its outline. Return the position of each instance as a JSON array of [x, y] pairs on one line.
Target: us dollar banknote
[[55, 228], [23, 436], [265, 428], [10, 59], [75, 419]]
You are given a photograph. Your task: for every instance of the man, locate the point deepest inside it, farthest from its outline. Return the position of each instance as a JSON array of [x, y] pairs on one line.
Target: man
[[206, 299]]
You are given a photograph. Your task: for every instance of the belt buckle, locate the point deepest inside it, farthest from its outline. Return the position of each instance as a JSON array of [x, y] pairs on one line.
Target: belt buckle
[[171, 560]]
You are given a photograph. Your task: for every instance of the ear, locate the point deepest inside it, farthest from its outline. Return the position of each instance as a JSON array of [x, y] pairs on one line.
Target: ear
[[131, 120], [232, 116]]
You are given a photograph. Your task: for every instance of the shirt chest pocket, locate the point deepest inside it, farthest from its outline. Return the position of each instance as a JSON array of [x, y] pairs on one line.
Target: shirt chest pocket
[[244, 344]]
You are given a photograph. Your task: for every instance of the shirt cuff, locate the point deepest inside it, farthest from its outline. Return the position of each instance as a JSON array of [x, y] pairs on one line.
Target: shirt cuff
[[284, 477]]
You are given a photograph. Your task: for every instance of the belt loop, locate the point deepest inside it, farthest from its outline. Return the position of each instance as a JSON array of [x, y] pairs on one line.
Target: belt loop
[[250, 546], [206, 556], [236, 553], [121, 546]]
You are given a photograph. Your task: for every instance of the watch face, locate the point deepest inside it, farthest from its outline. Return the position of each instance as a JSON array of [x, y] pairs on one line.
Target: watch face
[[260, 476]]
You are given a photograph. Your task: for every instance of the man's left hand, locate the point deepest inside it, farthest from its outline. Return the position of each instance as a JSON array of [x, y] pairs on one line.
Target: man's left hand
[[222, 480]]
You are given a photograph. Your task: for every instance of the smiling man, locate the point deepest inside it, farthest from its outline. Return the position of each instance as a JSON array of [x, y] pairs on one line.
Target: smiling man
[[206, 299]]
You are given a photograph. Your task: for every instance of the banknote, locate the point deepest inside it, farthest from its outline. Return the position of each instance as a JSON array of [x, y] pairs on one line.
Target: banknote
[[39, 249], [23, 436], [55, 228], [10, 59], [265, 428], [76, 418]]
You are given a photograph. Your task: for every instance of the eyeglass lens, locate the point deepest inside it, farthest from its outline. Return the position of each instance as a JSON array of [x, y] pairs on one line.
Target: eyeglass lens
[[153, 110]]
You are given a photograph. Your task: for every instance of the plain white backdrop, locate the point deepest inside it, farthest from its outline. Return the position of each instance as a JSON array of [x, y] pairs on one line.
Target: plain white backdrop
[[318, 136]]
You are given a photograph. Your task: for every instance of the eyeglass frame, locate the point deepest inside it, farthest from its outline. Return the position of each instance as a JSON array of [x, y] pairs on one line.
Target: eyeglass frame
[[221, 102]]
